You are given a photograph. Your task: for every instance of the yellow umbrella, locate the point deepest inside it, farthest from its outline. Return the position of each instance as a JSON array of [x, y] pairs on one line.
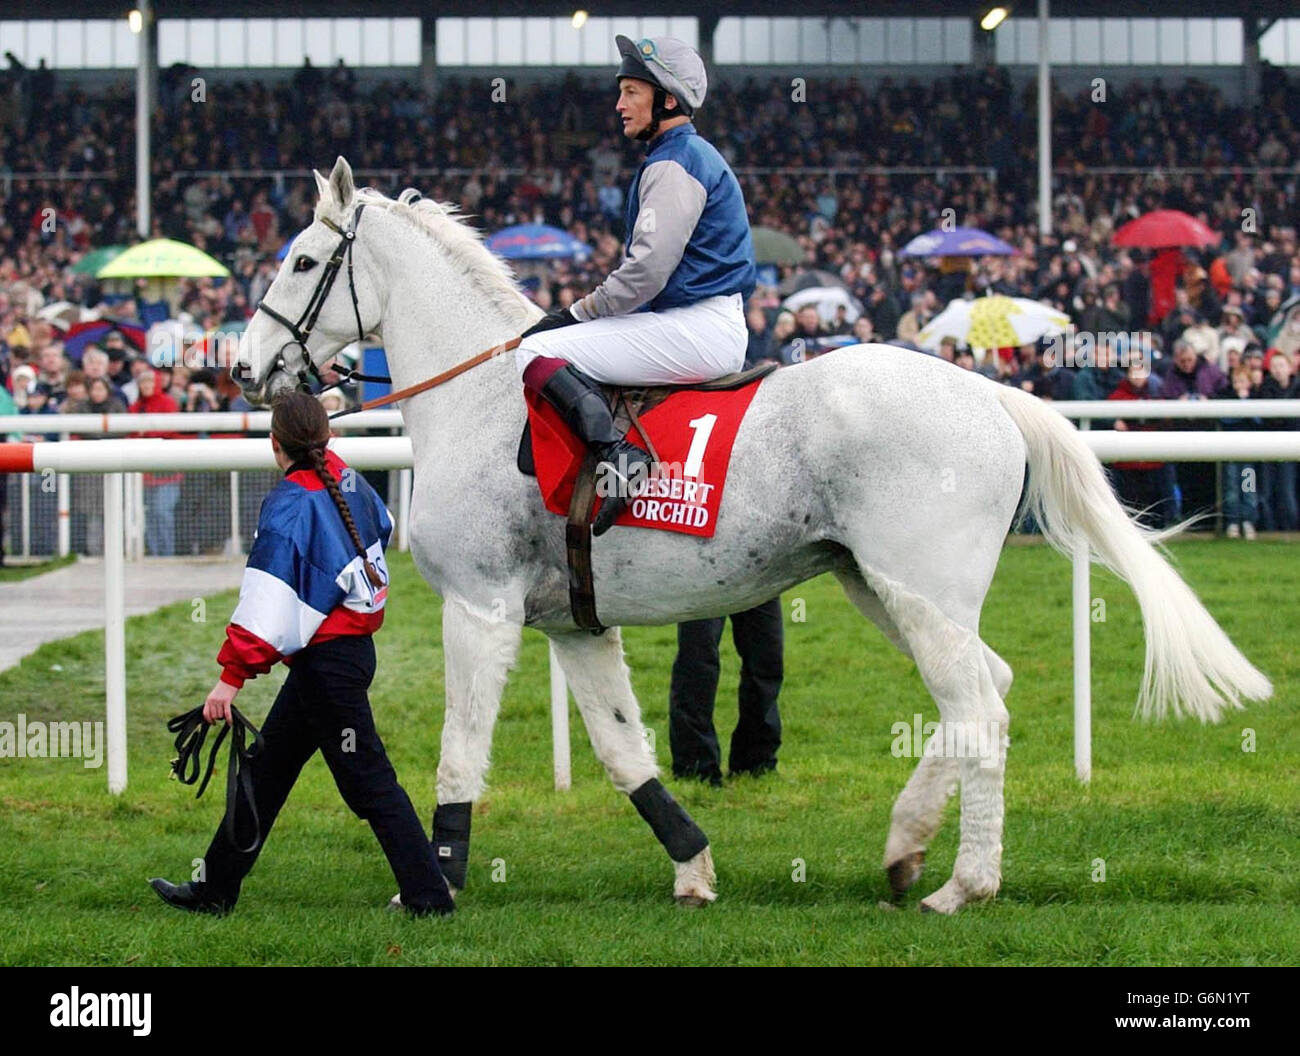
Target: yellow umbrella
[[993, 322], [162, 258]]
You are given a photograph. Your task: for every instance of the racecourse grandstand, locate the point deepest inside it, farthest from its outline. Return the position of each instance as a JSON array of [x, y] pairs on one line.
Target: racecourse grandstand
[[851, 137]]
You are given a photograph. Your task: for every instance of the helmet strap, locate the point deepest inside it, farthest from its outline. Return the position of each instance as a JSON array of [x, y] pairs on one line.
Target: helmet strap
[[658, 112]]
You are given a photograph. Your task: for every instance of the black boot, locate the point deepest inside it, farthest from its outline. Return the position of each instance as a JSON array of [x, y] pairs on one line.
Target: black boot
[[189, 897], [585, 410]]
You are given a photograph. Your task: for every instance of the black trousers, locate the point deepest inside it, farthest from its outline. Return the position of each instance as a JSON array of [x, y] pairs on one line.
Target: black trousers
[[323, 705], [1149, 490], [1196, 480], [759, 639]]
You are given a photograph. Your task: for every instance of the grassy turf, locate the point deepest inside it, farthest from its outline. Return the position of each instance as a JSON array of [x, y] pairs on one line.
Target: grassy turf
[[1198, 837], [13, 573]]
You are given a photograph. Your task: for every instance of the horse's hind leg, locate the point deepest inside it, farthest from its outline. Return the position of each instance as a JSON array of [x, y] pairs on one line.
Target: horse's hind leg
[[594, 668], [966, 683], [478, 652], [918, 811], [917, 814]]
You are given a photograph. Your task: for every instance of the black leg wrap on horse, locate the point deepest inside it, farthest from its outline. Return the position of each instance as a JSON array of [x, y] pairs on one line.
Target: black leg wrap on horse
[[451, 841], [681, 837]]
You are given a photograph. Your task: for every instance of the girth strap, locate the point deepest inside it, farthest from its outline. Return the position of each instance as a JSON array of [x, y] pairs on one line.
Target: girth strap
[[577, 546]]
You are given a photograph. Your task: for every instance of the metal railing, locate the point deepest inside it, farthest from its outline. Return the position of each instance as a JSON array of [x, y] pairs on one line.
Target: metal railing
[[214, 512], [112, 458], [53, 513]]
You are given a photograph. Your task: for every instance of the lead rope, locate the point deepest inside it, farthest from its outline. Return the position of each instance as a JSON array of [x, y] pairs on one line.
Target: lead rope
[[190, 729]]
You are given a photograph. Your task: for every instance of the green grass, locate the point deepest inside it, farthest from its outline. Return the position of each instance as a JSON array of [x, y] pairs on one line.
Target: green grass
[[14, 573], [1198, 837]]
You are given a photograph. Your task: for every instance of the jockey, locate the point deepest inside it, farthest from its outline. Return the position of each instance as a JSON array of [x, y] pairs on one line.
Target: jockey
[[673, 313]]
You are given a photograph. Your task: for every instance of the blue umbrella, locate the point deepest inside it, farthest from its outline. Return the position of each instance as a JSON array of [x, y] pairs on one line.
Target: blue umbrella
[[284, 249], [959, 242], [536, 242]]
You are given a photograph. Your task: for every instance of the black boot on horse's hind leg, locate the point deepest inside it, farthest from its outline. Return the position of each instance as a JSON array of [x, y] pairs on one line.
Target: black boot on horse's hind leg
[[585, 410]]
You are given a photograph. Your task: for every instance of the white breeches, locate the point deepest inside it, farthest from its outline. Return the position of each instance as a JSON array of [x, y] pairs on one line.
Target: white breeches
[[678, 346]]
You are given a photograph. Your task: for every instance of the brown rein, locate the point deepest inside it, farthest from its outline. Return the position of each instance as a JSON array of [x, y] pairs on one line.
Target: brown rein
[[436, 380]]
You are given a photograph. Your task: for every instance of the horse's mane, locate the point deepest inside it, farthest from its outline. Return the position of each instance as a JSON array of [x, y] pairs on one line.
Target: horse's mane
[[445, 224]]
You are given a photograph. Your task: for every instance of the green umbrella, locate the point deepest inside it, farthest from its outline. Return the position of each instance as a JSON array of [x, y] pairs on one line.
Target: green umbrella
[[96, 259], [163, 258], [776, 247]]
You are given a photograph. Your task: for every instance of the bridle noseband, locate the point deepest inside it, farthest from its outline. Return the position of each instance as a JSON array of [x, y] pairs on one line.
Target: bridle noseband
[[301, 330]]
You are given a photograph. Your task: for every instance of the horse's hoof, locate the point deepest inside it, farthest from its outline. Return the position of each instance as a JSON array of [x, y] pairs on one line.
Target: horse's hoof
[[947, 900], [695, 880], [905, 872]]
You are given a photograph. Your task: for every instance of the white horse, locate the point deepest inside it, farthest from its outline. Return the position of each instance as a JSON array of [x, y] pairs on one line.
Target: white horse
[[898, 472]]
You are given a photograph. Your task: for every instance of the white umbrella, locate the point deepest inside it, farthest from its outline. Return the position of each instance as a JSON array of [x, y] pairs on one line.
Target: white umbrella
[[827, 299], [61, 313], [993, 322]]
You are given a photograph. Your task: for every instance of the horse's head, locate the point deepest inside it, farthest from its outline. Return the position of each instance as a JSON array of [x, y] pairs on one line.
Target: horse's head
[[326, 295]]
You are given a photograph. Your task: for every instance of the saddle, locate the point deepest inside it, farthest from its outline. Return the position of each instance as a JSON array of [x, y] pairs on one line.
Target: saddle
[[628, 403]]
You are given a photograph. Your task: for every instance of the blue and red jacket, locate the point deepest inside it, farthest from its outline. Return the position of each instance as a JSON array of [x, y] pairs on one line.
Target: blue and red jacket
[[305, 582]]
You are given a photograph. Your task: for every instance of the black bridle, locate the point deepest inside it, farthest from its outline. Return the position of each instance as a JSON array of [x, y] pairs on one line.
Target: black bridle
[[301, 330]]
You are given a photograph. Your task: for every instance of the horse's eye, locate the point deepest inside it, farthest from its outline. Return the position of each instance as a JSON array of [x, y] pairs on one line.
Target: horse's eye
[[303, 264]]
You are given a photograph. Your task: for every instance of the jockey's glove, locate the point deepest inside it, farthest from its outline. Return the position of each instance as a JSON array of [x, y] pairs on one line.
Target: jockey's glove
[[552, 320]]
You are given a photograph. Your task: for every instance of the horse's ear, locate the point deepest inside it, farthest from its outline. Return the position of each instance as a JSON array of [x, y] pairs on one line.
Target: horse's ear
[[341, 182], [322, 186]]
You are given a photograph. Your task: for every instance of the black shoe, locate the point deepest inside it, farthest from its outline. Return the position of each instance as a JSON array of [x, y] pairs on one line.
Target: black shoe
[[185, 896], [585, 410], [712, 777], [396, 905], [431, 910], [767, 766]]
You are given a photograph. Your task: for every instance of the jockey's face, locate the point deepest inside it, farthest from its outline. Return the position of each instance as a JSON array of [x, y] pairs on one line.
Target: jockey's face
[[635, 105]]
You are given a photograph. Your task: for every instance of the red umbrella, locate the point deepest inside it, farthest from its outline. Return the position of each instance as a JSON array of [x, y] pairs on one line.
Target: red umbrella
[[1164, 229]]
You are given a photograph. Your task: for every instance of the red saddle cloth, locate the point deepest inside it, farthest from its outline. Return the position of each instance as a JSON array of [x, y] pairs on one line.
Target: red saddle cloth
[[693, 433]]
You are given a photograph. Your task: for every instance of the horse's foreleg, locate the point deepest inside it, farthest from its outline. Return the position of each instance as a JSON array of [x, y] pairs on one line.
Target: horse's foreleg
[[478, 651], [594, 668]]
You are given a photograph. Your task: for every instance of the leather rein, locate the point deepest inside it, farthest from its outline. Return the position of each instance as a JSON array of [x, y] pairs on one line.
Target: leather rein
[[423, 386], [301, 329]]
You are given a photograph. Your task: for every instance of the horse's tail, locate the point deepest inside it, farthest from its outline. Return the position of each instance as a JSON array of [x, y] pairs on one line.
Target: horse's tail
[[1191, 666]]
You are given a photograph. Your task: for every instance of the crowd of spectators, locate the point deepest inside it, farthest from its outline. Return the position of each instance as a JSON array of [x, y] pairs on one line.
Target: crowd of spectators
[[811, 164]]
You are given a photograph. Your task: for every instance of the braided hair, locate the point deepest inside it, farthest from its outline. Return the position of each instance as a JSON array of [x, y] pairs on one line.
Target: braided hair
[[302, 429]]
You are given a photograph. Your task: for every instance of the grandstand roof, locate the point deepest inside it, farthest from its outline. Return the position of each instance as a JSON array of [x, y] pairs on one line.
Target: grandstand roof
[[57, 9]]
